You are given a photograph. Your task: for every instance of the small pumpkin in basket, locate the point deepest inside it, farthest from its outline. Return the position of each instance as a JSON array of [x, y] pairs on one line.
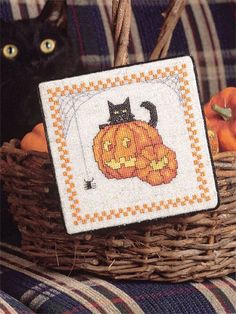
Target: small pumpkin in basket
[[157, 164], [35, 140], [220, 112], [213, 139]]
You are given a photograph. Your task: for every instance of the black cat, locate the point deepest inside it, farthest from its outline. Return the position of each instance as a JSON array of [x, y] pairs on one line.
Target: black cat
[[33, 51], [121, 113]]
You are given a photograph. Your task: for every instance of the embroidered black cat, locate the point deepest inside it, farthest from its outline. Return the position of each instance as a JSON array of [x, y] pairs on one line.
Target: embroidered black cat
[[121, 113]]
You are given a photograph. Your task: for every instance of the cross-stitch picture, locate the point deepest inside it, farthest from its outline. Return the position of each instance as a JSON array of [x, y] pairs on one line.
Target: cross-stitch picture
[[129, 148], [117, 137]]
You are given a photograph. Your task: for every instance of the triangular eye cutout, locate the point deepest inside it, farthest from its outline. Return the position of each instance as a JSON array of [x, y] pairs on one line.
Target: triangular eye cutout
[[54, 12]]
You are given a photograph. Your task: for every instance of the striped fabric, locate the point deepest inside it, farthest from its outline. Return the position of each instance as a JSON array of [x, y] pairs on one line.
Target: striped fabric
[[45, 291], [9, 305], [204, 32]]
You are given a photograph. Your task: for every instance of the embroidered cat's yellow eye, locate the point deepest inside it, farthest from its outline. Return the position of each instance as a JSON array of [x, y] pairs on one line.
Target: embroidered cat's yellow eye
[[48, 45], [10, 51]]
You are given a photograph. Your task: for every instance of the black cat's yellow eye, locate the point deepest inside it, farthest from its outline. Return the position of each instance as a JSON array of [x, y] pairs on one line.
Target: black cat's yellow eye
[[124, 111], [10, 51], [48, 45], [116, 112]]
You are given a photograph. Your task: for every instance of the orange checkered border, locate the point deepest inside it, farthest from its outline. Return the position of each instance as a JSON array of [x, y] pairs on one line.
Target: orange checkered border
[[119, 81]]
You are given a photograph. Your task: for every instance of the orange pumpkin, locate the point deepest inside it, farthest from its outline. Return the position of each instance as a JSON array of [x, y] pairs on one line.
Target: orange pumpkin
[[221, 114], [117, 147], [213, 139], [157, 165], [35, 140]]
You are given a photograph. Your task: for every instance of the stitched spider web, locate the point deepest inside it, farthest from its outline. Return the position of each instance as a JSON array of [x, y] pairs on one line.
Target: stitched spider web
[[71, 104]]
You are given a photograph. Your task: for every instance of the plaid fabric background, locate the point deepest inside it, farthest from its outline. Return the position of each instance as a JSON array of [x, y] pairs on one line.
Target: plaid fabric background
[[45, 291], [8, 304], [206, 31]]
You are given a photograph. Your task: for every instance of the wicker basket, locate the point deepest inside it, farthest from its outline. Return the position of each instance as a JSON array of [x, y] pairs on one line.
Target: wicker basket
[[195, 246]]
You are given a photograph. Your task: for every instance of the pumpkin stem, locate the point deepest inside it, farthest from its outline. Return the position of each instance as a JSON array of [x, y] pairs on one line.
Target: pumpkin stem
[[225, 113]]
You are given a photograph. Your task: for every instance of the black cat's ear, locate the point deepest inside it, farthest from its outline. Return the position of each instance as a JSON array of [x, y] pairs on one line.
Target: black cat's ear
[[55, 12], [126, 102], [111, 105]]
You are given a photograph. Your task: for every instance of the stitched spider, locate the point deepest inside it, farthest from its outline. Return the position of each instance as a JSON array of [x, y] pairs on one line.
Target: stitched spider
[[89, 184]]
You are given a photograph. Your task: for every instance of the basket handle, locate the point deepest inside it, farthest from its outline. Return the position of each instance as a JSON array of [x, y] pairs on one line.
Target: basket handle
[[121, 17]]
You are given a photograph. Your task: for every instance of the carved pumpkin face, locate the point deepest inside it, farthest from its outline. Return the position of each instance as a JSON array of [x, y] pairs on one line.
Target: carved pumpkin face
[[157, 165], [117, 147]]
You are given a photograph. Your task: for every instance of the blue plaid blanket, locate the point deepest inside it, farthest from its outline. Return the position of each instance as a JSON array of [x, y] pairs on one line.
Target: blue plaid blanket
[[46, 291]]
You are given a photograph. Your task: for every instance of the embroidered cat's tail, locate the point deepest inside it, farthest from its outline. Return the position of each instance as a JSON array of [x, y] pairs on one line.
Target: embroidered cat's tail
[[153, 112]]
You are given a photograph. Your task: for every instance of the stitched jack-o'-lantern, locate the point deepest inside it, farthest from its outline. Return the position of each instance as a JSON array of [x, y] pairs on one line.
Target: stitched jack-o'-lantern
[[156, 165], [117, 147]]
